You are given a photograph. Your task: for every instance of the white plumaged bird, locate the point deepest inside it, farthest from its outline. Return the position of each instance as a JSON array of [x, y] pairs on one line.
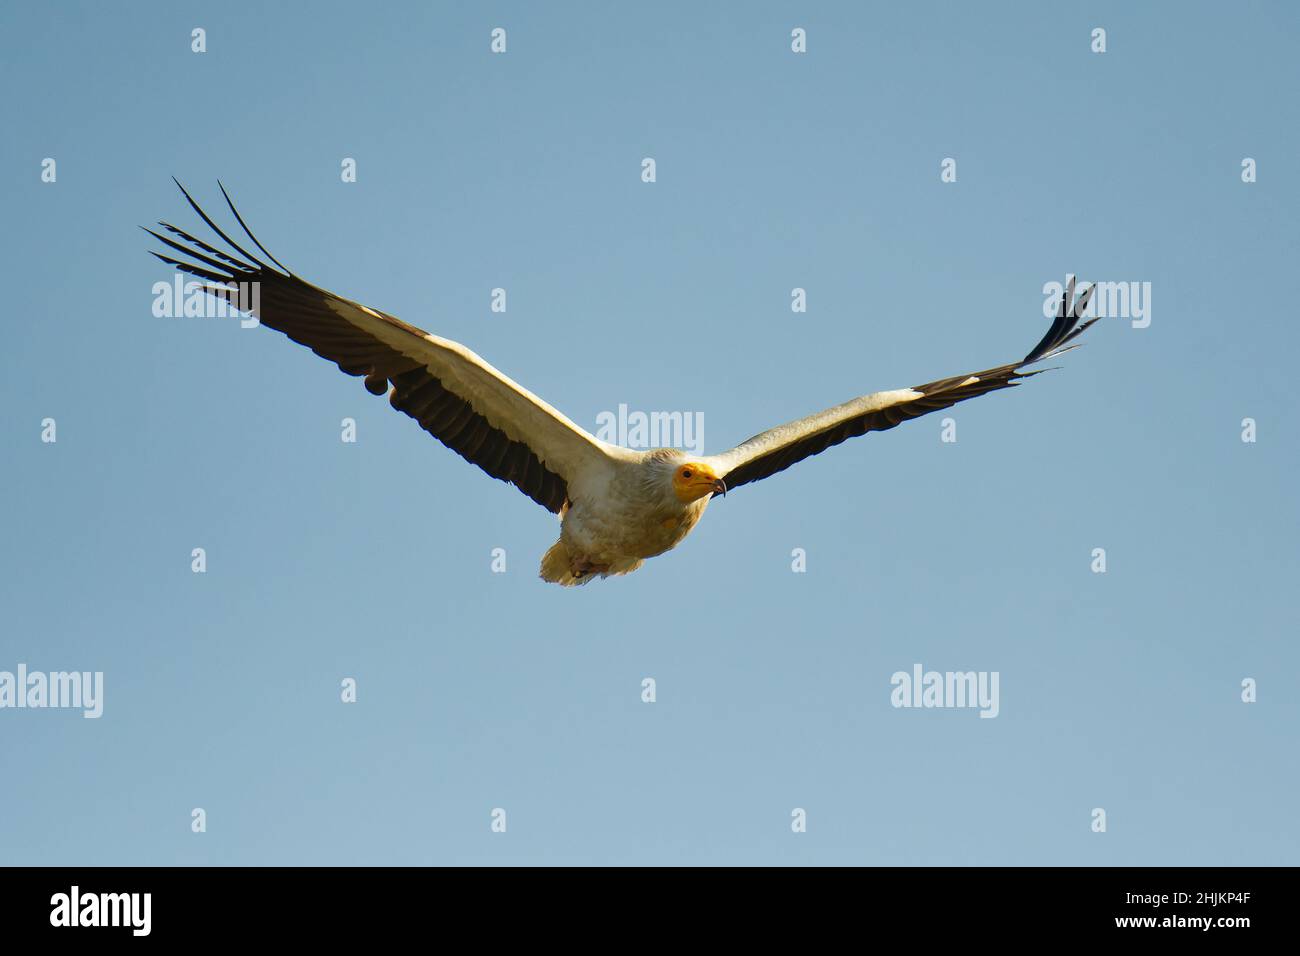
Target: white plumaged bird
[[617, 506]]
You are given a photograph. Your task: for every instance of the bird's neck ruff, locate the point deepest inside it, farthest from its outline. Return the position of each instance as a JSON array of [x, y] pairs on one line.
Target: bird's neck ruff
[[655, 479]]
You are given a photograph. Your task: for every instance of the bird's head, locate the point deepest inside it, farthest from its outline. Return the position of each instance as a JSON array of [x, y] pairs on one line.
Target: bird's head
[[693, 480]]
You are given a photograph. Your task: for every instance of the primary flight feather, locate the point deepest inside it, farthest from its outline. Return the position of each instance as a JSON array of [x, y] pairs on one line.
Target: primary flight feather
[[617, 506]]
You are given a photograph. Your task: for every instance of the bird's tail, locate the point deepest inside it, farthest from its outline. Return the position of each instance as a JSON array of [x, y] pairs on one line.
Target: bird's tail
[[557, 567]]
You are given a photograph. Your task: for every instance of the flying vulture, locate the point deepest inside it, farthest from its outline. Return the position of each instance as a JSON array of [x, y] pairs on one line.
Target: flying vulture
[[617, 506]]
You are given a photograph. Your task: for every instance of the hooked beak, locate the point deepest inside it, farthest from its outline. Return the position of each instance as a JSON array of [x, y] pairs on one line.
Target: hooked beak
[[719, 487]]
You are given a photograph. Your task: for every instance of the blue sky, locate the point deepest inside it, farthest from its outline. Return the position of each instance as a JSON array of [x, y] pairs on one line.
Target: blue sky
[[775, 170]]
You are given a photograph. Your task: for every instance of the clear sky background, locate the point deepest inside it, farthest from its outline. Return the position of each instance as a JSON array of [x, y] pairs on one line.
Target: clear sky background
[[775, 170]]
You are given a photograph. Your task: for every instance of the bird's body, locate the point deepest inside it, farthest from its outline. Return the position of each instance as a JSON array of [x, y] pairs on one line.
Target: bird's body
[[617, 507], [611, 526]]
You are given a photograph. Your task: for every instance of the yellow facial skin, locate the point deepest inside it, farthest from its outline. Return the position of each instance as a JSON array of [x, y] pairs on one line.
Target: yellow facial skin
[[693, 480]]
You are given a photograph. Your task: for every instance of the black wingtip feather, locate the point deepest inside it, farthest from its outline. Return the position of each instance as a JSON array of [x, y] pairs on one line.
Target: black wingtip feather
[[1063, 327], [191, 269], [215, 228], [244, 226], [207, 260], [207, 247]]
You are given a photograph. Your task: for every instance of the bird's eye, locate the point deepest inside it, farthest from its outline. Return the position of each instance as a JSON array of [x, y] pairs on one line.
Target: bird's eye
[[686, 473]]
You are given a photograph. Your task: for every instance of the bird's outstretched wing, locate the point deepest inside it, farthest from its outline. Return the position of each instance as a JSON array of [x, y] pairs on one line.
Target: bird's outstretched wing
[[455, 396], [779, 448]]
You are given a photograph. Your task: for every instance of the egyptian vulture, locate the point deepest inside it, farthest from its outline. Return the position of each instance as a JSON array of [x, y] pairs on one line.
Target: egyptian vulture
[[617, 506]]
